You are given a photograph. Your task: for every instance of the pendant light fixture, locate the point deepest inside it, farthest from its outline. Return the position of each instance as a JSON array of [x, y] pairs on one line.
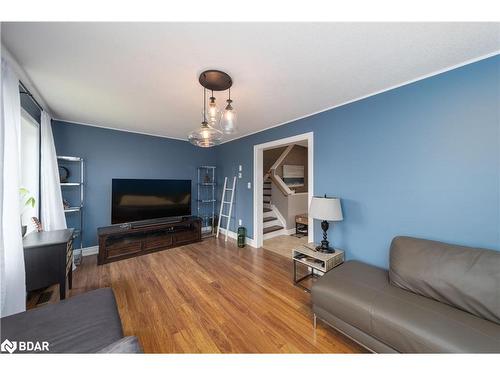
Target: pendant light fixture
[[205, 135], [215, 123], [213, 111], [228, 118]]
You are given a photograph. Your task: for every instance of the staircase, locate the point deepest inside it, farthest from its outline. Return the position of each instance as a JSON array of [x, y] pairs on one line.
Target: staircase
[[272, 223]]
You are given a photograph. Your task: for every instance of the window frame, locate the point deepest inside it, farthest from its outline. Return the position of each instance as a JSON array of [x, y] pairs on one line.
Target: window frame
[[26, 116]]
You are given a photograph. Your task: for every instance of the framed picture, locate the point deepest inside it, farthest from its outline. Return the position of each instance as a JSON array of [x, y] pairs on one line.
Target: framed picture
[[293, 175]]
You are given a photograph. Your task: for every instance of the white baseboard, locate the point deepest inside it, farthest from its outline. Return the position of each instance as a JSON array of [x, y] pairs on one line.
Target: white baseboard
[[281, 232], [86, 251], [249, 241]]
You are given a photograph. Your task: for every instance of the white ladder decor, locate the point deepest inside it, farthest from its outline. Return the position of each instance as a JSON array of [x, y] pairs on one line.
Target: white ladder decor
[[223, 202]]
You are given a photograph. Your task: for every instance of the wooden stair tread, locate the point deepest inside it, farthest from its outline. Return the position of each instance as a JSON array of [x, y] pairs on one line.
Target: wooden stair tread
[[274, 228], [267, 209], [270, 218], [267, 195]]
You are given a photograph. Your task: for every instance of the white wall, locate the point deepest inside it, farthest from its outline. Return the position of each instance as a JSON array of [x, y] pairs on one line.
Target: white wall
[[289, 206]]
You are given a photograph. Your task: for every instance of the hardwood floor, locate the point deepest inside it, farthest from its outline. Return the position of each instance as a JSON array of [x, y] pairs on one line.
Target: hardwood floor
[[212, 297], [283, 245]]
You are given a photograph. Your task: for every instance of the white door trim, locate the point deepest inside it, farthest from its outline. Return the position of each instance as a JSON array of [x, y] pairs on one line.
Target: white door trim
[[258, 180]]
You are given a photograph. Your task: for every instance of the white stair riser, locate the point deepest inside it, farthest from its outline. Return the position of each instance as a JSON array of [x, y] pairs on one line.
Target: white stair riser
[[276, 233], [271, 223], [269, 214]]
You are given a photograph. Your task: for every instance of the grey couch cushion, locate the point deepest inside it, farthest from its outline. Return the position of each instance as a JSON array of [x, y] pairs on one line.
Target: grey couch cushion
[[128, 344], [362, 296], [464, 277], [82, 324], [416, 324], [348, 290]]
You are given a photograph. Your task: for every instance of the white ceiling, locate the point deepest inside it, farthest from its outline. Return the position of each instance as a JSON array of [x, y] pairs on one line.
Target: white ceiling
[[143, 77]]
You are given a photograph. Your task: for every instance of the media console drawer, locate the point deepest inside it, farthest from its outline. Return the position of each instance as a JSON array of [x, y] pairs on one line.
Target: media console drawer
[[185, 237], [124, 248], [116, 242], [158, 241]]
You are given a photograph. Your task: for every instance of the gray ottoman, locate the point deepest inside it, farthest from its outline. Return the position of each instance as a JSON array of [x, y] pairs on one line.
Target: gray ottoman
[[87, 323]]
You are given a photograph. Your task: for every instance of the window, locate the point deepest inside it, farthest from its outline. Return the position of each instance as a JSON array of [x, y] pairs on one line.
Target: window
[[30, 167]]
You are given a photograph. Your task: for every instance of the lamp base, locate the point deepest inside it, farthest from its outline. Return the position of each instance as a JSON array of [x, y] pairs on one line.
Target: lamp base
[[321, 249], [325, 245]]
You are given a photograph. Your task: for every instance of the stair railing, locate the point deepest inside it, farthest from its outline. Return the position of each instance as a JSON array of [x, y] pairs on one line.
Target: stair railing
[[280, 184], [278, 181]]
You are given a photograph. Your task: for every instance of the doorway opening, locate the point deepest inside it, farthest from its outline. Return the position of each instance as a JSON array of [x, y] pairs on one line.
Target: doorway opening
[[283, 189]]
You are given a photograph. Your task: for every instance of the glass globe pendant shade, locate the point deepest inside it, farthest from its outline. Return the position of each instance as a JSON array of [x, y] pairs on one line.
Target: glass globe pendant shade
[[213, 111], [228, 119], [205, 136]]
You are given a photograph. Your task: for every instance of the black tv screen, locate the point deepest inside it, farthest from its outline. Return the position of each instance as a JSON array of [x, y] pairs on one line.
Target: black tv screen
[[134, 199]]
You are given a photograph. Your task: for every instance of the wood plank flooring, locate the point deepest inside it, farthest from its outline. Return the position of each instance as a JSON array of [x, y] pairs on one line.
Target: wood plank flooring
[[283, 245], [212, 297]]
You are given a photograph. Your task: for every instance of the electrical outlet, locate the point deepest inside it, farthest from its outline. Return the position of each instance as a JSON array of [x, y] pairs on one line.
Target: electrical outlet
[[240, 222], [249, 185], [240, 168], [240, 175]]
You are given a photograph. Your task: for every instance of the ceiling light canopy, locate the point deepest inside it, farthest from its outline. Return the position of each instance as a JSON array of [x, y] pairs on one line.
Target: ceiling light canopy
[[215, 123]]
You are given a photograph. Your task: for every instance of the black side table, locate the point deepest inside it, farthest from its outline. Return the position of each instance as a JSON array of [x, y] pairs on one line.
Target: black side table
[[48, 260]]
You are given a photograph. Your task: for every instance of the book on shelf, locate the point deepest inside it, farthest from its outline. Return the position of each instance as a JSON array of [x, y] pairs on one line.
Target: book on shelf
[[308, 259]]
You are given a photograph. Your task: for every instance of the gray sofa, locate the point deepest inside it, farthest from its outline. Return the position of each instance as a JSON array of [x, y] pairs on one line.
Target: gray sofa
[[435, 298], [87, 323]]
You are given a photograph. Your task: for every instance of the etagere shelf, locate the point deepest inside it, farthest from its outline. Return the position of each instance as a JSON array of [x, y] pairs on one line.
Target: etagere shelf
[[77, 203], [206, 199]]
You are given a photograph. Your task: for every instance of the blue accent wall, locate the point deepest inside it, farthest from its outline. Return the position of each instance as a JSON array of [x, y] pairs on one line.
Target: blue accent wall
[[112, 154], [421, 160]]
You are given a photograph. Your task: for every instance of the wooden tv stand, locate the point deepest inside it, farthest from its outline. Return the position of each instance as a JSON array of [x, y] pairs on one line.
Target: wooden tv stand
[[118, 242]]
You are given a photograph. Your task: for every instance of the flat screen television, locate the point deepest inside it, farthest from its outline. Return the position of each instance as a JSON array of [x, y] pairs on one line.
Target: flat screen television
[[135, 199]]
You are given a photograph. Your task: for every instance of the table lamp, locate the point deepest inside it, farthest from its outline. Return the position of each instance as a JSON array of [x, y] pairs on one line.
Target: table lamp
[[325, 209]]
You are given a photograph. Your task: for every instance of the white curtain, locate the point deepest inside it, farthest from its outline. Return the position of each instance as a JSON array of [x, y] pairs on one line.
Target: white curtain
[[12, 276], [51, 209]]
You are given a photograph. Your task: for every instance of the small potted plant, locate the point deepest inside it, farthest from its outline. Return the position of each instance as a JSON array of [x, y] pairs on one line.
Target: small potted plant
[[27, 200]]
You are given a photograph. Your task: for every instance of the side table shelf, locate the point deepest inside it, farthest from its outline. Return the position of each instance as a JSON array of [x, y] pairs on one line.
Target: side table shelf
[[315, 261]]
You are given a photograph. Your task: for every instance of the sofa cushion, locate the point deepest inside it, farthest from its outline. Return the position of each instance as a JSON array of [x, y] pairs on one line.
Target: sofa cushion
[[82, 324], [361, 295], [415, 324], [464, 277], [348, 291]]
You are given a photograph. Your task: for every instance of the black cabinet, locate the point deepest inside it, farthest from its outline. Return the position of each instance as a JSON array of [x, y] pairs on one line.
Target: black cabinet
[[48, 259]]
